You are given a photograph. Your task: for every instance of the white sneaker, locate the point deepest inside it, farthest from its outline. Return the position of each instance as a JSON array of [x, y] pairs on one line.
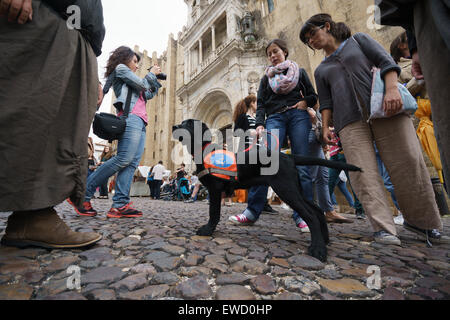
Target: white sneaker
[[285, 206], [399, 219]]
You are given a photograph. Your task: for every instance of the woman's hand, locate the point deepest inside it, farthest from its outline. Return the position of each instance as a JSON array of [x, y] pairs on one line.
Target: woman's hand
[[302, 105], [313, 115], [259, 131], [17, 10], [392, 103], [100, 95], [155, 70], [416, 69], [327, 136]]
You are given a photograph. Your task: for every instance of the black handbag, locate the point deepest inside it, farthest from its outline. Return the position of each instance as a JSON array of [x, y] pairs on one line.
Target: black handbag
[[110, 127]]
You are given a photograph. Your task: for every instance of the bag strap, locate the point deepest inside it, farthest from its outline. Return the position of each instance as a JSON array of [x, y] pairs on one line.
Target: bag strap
[[126, 111]]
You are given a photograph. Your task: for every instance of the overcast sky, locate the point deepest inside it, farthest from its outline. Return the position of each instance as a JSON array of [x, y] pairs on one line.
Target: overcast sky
[[146, 23]]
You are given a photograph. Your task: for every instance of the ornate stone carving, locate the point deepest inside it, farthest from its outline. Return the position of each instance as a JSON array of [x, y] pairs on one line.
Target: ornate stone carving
[[253, 79]]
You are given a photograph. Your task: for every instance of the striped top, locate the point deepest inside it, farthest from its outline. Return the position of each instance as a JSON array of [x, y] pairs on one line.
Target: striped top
[[245, 122]]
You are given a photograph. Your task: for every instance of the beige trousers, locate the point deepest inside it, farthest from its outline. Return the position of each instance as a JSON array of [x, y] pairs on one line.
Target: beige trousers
[[401, 154]]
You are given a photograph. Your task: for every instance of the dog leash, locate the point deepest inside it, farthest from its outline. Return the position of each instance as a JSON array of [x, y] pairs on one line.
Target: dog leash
[[255, 141]]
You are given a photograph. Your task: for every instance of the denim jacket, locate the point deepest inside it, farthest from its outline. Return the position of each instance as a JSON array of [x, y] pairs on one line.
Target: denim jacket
[[123, 78]]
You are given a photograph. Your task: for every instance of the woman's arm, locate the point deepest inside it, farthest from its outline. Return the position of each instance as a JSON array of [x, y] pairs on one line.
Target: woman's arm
[[326, 104], [132, 80], [376, 54], [261, 110], [154, 86], [326, 117], [310, 94], [390, 71], [392, 103], [108, 84]]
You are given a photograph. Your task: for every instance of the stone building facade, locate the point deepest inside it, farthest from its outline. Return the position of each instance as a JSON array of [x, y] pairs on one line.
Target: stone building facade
[[219, 58]]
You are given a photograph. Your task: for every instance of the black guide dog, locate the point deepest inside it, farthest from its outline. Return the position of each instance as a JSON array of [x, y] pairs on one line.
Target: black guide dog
[[284, 182]]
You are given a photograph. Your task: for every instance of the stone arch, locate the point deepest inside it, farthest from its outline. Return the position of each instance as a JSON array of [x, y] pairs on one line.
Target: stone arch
[[214, 109]]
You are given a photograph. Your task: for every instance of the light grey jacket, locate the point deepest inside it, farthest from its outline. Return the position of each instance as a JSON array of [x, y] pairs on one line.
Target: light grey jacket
[[122, 79]]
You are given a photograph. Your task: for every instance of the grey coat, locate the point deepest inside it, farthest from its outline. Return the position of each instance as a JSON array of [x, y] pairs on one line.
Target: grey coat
[[401, 13], [48, 97], [344, 80]]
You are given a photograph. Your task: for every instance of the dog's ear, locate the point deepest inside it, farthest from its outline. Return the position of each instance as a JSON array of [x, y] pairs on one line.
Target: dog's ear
[[207, 136], [204, 127]]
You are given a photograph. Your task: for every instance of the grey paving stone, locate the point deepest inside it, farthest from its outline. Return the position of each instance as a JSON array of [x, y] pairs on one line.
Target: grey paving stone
[[234, 292]]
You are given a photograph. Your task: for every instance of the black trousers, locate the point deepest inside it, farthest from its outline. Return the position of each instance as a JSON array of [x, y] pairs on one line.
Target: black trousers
[[156, 188]]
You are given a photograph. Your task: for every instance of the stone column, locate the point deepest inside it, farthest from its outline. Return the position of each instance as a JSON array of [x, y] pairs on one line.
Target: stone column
[[187, 62], [213, 37], [200, 51], [231, 24]]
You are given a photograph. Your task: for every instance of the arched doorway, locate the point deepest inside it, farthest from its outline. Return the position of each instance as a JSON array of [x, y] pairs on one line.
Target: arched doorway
[[216, 111]]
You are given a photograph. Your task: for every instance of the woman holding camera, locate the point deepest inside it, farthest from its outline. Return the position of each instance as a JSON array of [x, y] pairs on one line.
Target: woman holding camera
[[120, 74]]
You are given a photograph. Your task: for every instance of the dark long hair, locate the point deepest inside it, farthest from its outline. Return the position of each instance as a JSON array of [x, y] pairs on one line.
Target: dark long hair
[[281, 43], [121, 55], [339, 30], [396, 52], [242, 106]]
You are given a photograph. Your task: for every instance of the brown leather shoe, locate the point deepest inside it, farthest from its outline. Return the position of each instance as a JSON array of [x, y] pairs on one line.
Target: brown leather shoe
[[44, 228], [336, 218]]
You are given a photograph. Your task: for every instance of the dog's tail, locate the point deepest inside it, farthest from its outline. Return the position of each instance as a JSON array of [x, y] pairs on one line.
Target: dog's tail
[[310, 161]]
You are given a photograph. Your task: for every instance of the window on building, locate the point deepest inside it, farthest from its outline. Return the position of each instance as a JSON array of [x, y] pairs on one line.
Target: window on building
[[270, 5]]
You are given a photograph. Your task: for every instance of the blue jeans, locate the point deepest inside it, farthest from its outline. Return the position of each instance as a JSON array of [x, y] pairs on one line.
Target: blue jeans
[[334, 179], [296, 125], [129, 152], [386, 178], [319, 175], [343, 188]]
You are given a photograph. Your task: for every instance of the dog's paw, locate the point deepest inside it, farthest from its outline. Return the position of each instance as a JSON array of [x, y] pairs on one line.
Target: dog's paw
[[318, 252], [205, 230]]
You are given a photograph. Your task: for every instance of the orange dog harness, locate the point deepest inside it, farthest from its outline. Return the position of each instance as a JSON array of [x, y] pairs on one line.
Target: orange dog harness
[[220, 164]]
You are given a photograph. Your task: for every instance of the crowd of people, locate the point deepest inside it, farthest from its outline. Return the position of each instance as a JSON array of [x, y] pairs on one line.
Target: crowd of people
[[51, 123]]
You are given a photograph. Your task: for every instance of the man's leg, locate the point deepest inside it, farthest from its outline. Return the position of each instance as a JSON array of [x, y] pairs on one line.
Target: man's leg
[[435, 61], [158, 184]]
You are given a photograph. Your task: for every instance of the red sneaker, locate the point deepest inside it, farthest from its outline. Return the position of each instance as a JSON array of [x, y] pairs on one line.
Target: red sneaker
[[86, 209], [127, 211]]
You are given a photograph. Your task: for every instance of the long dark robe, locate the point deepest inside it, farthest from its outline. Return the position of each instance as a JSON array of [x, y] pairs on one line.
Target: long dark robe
[[48, 94]]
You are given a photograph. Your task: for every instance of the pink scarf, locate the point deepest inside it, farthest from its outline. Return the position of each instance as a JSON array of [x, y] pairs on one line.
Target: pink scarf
[[280, 83]]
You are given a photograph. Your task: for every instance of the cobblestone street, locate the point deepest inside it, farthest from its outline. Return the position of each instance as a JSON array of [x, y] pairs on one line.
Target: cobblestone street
[[160, 257]]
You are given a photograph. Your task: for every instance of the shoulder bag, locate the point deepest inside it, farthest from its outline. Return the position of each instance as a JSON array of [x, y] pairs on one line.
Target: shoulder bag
[[110, 127]]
